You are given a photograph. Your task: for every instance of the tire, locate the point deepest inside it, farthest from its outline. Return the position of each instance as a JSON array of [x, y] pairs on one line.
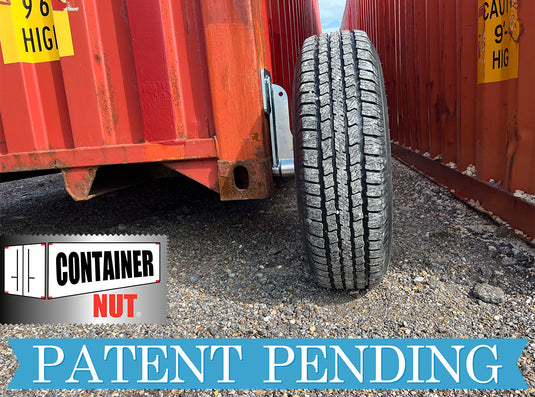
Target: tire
[[342, 160]]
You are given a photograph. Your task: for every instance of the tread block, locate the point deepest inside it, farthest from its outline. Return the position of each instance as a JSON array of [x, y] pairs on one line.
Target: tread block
[[342, 172]]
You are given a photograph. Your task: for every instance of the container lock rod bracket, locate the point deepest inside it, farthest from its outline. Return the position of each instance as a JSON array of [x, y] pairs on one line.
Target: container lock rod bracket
[[275, 102]]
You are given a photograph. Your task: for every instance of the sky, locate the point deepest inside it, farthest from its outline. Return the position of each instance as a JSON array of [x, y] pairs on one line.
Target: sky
[[331, 12]]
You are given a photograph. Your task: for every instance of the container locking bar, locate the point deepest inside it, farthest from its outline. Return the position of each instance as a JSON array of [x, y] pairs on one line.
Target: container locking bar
[[275, 102]]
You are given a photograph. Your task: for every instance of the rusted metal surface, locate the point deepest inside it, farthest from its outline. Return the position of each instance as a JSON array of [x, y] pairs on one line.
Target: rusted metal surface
[[486, 197], [460, 88], [235, 54], [152, 81], [78, 181], [83, 183], [245, 179], [111, 154]]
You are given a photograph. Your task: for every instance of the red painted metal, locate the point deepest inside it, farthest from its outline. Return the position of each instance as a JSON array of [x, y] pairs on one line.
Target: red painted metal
[[288, 23], [186, 149], [429, 50], [176, 82]]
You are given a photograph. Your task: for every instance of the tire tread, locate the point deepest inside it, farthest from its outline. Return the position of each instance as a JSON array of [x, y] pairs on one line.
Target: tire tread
[[342, 151]]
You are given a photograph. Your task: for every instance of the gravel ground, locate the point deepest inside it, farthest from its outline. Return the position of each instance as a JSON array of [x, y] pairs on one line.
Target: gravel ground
[[237, 270]]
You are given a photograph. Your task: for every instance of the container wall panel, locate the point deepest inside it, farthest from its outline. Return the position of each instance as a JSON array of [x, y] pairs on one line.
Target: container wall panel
[[86, 83], [460, 89], [137, 74], [139, 71], [288, 24]]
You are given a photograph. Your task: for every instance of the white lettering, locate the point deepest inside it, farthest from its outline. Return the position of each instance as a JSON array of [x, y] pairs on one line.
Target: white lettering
[[338, 352], [154, 363], [198, 373], [415, 364], [314, 364], [470, 364], [273, 364], [42, 364], [226, 361], [379, 364], [436, 353], [120, 355], [90, 367]]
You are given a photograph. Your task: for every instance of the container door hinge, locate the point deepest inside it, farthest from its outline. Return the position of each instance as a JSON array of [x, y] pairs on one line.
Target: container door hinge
[[275, 102]]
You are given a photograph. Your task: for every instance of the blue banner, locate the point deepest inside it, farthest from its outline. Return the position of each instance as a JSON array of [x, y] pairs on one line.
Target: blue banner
[[268, 363]]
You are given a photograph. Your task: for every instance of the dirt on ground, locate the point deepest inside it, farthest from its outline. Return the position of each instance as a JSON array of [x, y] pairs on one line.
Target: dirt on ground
[[238, 270]]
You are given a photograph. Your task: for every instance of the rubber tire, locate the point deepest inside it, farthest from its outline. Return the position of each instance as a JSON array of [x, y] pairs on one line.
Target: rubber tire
[[342, 160]]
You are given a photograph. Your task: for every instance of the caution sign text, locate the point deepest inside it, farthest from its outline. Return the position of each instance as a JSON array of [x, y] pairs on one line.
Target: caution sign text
[[499, 32], [34, 31]]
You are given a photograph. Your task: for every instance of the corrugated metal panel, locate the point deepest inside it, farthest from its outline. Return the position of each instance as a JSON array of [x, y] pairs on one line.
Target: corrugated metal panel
[[138, 75], [434, 53], [86, 83], [288, 24]]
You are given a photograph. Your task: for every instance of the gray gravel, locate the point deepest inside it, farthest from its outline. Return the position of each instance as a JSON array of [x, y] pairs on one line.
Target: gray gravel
[[237, 269]]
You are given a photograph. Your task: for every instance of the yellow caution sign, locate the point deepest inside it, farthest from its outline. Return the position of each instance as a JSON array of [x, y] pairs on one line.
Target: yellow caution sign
[[499, 32], [32, 31]]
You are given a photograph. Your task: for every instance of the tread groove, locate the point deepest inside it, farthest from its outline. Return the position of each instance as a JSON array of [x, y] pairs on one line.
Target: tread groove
[[333, 161], [362, 169], [320, 164], [348, 167], [342, 151]]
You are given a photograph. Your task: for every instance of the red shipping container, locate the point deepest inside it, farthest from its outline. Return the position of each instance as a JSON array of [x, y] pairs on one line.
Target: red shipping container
[[109, 91], [87, 84], [460, 88]]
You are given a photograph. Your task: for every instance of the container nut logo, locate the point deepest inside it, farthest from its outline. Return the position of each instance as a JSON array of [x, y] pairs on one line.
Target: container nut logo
[[96, 279]]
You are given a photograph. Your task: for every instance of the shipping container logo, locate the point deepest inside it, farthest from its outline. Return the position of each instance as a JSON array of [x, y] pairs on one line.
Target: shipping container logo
[[34, 31], [499, 32], [78, 268], [103, 277]]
